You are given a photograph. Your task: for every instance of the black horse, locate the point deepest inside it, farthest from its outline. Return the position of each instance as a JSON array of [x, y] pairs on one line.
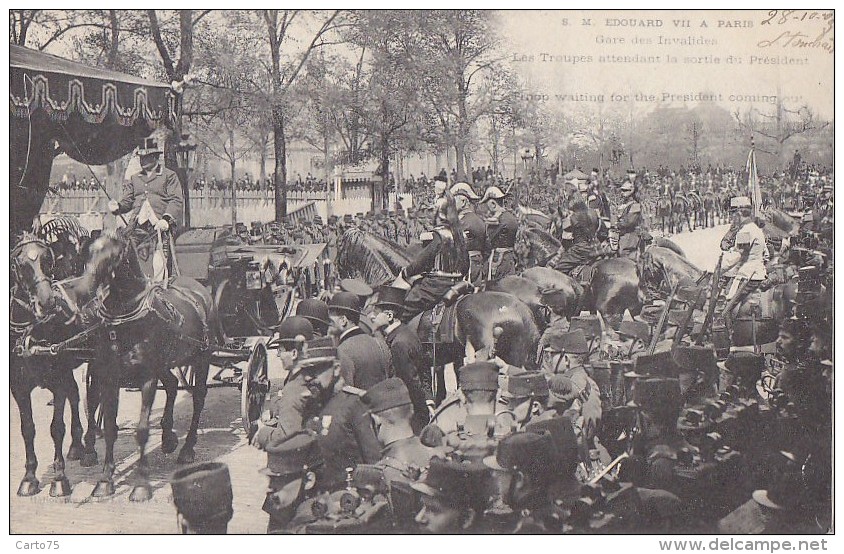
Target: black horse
[[147, 331], [34, 320], [475, 316]]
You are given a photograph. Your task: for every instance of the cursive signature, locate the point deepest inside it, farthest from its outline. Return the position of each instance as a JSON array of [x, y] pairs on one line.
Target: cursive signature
[[797, 39]]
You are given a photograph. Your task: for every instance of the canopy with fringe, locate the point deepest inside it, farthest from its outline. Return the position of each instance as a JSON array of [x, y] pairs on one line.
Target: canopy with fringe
[[93, 115]]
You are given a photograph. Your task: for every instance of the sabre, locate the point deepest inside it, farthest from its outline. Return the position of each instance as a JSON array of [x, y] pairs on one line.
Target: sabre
[[595, 480]]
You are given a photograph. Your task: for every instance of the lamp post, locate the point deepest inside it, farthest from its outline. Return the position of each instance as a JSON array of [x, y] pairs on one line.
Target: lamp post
[[186, 161]]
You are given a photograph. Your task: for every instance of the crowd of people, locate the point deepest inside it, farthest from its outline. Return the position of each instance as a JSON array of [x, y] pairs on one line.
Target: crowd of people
[[515, 449], [654, 423]]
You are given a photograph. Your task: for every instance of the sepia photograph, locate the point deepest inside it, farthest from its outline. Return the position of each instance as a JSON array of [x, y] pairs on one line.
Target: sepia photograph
[[422, 272]]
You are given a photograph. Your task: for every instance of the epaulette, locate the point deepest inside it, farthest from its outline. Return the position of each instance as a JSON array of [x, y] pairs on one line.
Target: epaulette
[[354, 390]]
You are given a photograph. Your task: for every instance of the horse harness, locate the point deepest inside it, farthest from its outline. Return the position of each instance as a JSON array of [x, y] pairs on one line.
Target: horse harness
[[152, 301]]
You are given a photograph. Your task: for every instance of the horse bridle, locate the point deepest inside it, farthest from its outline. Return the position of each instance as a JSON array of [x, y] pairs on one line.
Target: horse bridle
[[40, 279]]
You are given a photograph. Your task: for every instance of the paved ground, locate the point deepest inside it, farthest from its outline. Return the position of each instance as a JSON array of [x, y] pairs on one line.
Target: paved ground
[[221, 439]]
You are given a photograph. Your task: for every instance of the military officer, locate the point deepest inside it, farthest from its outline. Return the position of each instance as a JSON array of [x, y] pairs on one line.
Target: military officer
[[289, 410], [365, 359], [749, 244], [343, 426], [525, 398], [403, 456], [583, 225], [292, 469], [474, 230], [629, 222], [155, 199], [452, 496], [410, 362], [502, 227]]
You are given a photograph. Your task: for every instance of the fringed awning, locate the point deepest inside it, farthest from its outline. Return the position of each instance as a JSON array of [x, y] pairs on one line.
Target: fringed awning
[[62, 88]]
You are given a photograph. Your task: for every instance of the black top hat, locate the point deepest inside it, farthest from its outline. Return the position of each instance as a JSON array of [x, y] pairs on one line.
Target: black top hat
[[391, 298]]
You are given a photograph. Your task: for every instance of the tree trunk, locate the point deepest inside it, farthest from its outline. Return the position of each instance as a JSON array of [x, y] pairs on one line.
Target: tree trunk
[[232, 162], [378, 199], [263, 164], [280, 171]]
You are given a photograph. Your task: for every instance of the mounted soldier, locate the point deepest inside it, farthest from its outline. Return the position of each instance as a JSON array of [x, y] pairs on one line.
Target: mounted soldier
[[584, 223], [442, 264], [474, 229], [750, 248], [629, 222], [502, 227], [154, 198]]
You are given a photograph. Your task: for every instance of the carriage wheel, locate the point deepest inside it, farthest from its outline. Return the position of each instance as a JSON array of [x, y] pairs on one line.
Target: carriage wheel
[[226, 303], [254, 389]]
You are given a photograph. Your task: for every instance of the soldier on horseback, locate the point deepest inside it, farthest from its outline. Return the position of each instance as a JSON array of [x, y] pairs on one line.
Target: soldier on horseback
[[585, 248], [442, 264], [154, 196], [502, 227], [629, 222], [474, 229], [749, 245]]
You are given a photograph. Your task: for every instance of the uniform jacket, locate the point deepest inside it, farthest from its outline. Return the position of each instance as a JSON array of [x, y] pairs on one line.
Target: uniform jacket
[[474, 229], [402, 458], [364, 360], [501, 232], [411, 364], [289, 411], [439, 255], [161, 187], [584, 225], [346, 438]]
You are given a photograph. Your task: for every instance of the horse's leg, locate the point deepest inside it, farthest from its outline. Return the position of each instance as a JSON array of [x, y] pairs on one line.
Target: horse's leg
[[169, 439], [200, 390], [60, 485], [21, 391], [109, 392], [142, 491], [75, 451], [92, 402]]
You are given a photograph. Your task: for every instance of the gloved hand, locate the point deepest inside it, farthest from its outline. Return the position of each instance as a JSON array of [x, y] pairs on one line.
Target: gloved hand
[[162, 225], [113, 206]]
